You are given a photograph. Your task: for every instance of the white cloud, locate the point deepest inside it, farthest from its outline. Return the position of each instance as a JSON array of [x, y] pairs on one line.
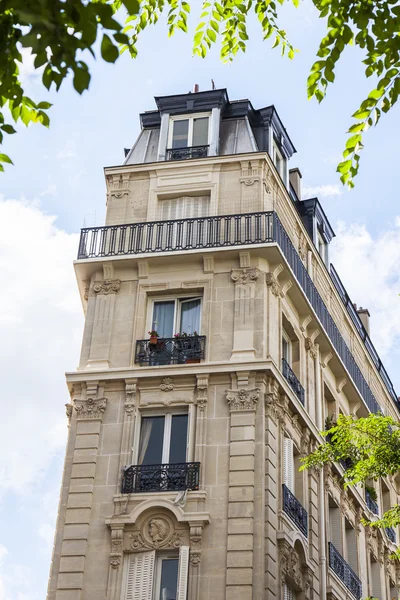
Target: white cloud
[[370, 270], [324, 191], [27, 67], [40, 330], [51, 190], [69, 150]]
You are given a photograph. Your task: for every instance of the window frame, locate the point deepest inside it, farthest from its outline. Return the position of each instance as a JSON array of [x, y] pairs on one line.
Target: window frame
[[287, 339], [188, 117], [277, 152], [162, 412], [177, 310], [159, 558]]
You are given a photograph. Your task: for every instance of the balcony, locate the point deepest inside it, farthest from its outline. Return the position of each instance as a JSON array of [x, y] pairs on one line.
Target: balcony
[[390, 532], [295, 510], [225, 231], [292, 380], [171, 351], [372, 504], [160, 478], [345, 573], [188, 152]]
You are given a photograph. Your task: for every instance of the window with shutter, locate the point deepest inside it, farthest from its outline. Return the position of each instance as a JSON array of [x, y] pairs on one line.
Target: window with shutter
[[183, 572], [351, 547], [375, 578], [288, 464], [334, 526], [139, 576]]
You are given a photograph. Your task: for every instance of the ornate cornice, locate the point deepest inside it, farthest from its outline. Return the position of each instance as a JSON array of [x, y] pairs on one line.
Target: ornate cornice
[[243, 399], [108, 286], [244, 276], [92, 408]]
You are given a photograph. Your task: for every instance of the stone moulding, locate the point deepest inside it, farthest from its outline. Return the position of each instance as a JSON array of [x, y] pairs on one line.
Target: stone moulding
[[243, 399], [246, 275], [92, 408]]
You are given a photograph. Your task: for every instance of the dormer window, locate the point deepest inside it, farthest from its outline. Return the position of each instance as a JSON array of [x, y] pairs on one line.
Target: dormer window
[[279, 160], [188, 137]]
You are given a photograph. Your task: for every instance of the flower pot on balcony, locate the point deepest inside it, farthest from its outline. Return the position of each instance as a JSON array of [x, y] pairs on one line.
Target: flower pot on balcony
[[192, 361], [153, 340]]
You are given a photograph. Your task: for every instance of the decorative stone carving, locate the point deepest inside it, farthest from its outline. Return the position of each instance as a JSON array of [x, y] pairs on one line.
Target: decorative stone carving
[[250, 174], [302, 248], [68, 410], [166, 385], [92, 408], [294, 570], [272, 397], [130, 395], [273, 284], [157, 532], [116, 547], [195, 542], [243, 399], [244, 276], [108, 286], [202, 393], [118, 186], [311, 348]]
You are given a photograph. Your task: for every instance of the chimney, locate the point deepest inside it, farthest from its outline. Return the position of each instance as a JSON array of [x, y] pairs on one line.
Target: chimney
[[195, 88], [295, 180], [364, 315]]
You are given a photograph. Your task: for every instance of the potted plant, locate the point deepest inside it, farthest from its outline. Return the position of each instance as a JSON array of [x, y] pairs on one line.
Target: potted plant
[[188, 346], [153, 337]]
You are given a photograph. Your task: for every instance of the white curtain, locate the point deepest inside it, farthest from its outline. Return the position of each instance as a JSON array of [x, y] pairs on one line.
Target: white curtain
[[190, 316], [163, 318], [147, 426]]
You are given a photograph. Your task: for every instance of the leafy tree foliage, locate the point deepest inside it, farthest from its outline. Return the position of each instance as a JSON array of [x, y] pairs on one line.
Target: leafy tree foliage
[[59, 31], [370, 448]]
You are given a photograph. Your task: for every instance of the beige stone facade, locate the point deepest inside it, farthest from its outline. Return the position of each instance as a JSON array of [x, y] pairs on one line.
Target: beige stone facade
[[251, 526]]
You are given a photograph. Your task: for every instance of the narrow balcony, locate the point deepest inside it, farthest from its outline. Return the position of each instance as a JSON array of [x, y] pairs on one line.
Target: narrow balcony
[[390, 532], [371, 503], [188, 152], [295, 510], [345, 573], [160, 478], [170, 351], [292, 380]]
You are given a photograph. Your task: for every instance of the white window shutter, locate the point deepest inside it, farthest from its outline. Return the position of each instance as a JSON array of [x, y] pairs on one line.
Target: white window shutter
[[288, 464], [183, 572], [140, 575], [191, 441], [288, 593]]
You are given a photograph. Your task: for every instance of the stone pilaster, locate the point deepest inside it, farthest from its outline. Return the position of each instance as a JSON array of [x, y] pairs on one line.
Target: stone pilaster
[[128, 427], [86, 419], [272, 480], [239, 577], [245, 289], [116, 562], [105, 292]]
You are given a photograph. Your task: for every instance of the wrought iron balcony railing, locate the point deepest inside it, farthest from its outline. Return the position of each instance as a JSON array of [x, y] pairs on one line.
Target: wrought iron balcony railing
[[222, 232], [345, 573], [293, 381], [371, 503], [295, 510], [171, 351], [160, 478], [188, 152], [390, 532]]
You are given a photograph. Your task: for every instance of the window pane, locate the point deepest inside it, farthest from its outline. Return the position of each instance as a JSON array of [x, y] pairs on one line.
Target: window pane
[[200, 132], [169, 579], [190, 316], [180, 134], [151, 441], [177, 452], [163, 318]]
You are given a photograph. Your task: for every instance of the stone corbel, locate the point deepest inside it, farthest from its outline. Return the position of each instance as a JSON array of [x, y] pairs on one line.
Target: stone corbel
[[341, 385], [311, 348], [108, 286], [305, 323], [117, 538], [325, 359], [130, 395], [272, 396], [202, 392], [143, 269], [271, 279], [195, 543]]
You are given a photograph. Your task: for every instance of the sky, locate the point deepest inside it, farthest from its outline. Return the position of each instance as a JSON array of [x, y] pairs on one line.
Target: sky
[[56, 186]]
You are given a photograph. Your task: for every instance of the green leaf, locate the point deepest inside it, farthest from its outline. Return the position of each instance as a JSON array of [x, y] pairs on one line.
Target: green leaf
[[132, 6], [81, 80], [44, 105], [108, 51], [8, 129], [6, 159]]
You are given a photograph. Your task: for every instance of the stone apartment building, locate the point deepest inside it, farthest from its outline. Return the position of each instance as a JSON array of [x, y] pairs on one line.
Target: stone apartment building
[[181, 476]]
